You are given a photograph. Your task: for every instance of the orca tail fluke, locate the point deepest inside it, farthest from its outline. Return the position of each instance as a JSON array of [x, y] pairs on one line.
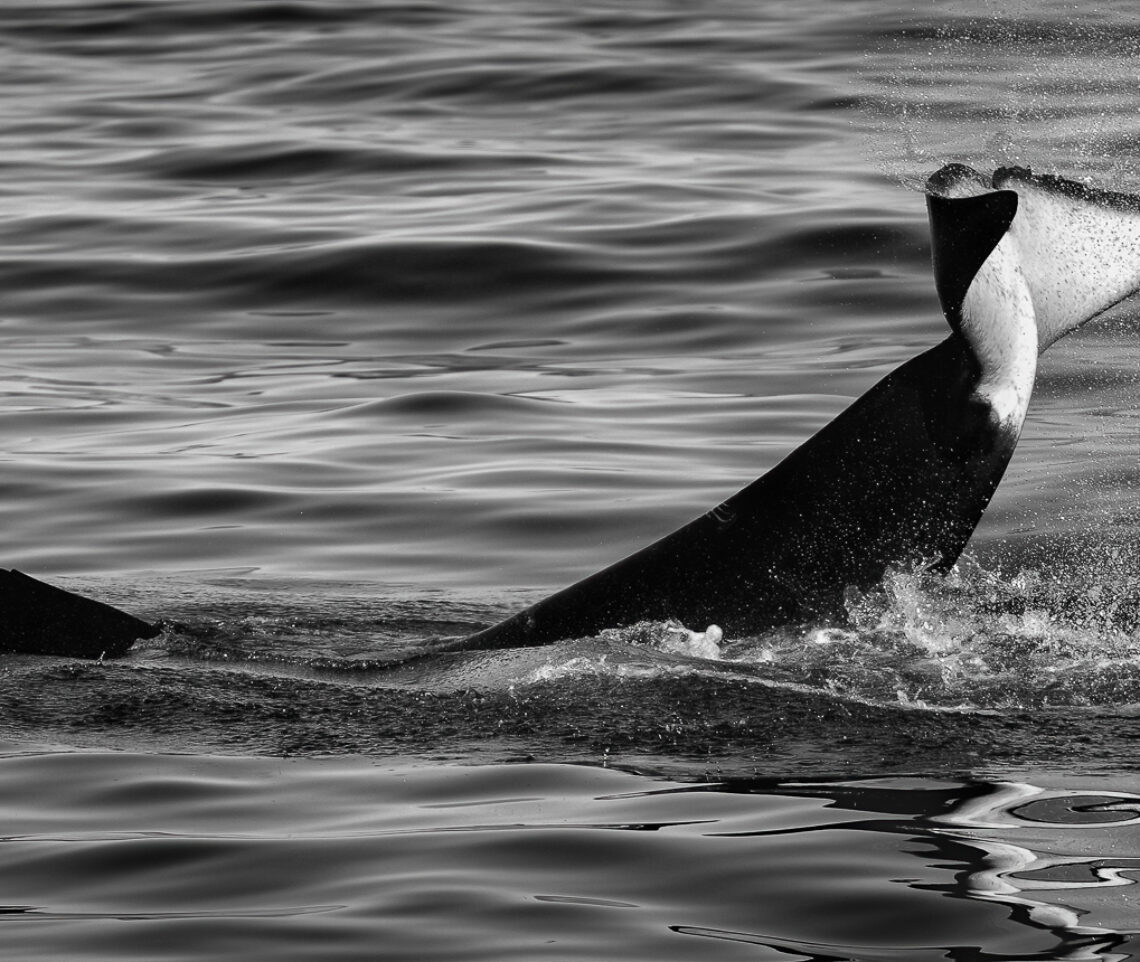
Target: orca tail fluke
[[1077, 247], [904, 475], [40, 619]]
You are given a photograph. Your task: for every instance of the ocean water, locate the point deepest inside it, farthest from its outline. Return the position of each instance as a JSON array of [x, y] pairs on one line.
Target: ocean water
[[331, 328]]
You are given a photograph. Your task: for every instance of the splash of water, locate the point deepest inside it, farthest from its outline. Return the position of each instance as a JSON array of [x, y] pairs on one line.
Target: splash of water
[[1049, 86], [976, 639]]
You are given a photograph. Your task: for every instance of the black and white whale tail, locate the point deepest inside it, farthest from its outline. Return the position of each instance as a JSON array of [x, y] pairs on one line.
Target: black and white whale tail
[[904, 474]]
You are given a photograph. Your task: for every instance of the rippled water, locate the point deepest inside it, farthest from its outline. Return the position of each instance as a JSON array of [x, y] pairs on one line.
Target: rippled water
[[537, 861], [332, 328]]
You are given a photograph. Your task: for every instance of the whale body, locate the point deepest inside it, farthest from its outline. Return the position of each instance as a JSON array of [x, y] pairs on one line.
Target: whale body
[[903, 475], [41, 619]]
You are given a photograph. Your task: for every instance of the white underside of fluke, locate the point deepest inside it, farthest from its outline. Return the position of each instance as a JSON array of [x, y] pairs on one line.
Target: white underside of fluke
[[998, 321], [1079, 256]]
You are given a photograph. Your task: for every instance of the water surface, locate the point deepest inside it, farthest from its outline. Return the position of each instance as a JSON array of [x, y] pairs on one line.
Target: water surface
[[333, 328]]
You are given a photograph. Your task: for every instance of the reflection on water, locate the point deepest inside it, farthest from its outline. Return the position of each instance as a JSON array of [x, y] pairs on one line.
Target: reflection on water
[[555, 862], [1058, 874], [1061, 860]]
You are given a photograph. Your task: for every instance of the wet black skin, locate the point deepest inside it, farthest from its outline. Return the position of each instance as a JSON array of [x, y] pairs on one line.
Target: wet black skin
[[41, 619], [901, 477]]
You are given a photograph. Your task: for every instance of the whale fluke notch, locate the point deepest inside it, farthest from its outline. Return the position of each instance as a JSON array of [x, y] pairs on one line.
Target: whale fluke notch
[[904, 475], [40, 619]]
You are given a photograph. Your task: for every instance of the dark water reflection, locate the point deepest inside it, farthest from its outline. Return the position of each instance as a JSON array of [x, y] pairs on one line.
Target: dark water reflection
[[135, 854]]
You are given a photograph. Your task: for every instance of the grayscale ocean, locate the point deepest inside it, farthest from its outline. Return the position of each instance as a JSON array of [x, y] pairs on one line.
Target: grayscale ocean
[[332, 328]]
